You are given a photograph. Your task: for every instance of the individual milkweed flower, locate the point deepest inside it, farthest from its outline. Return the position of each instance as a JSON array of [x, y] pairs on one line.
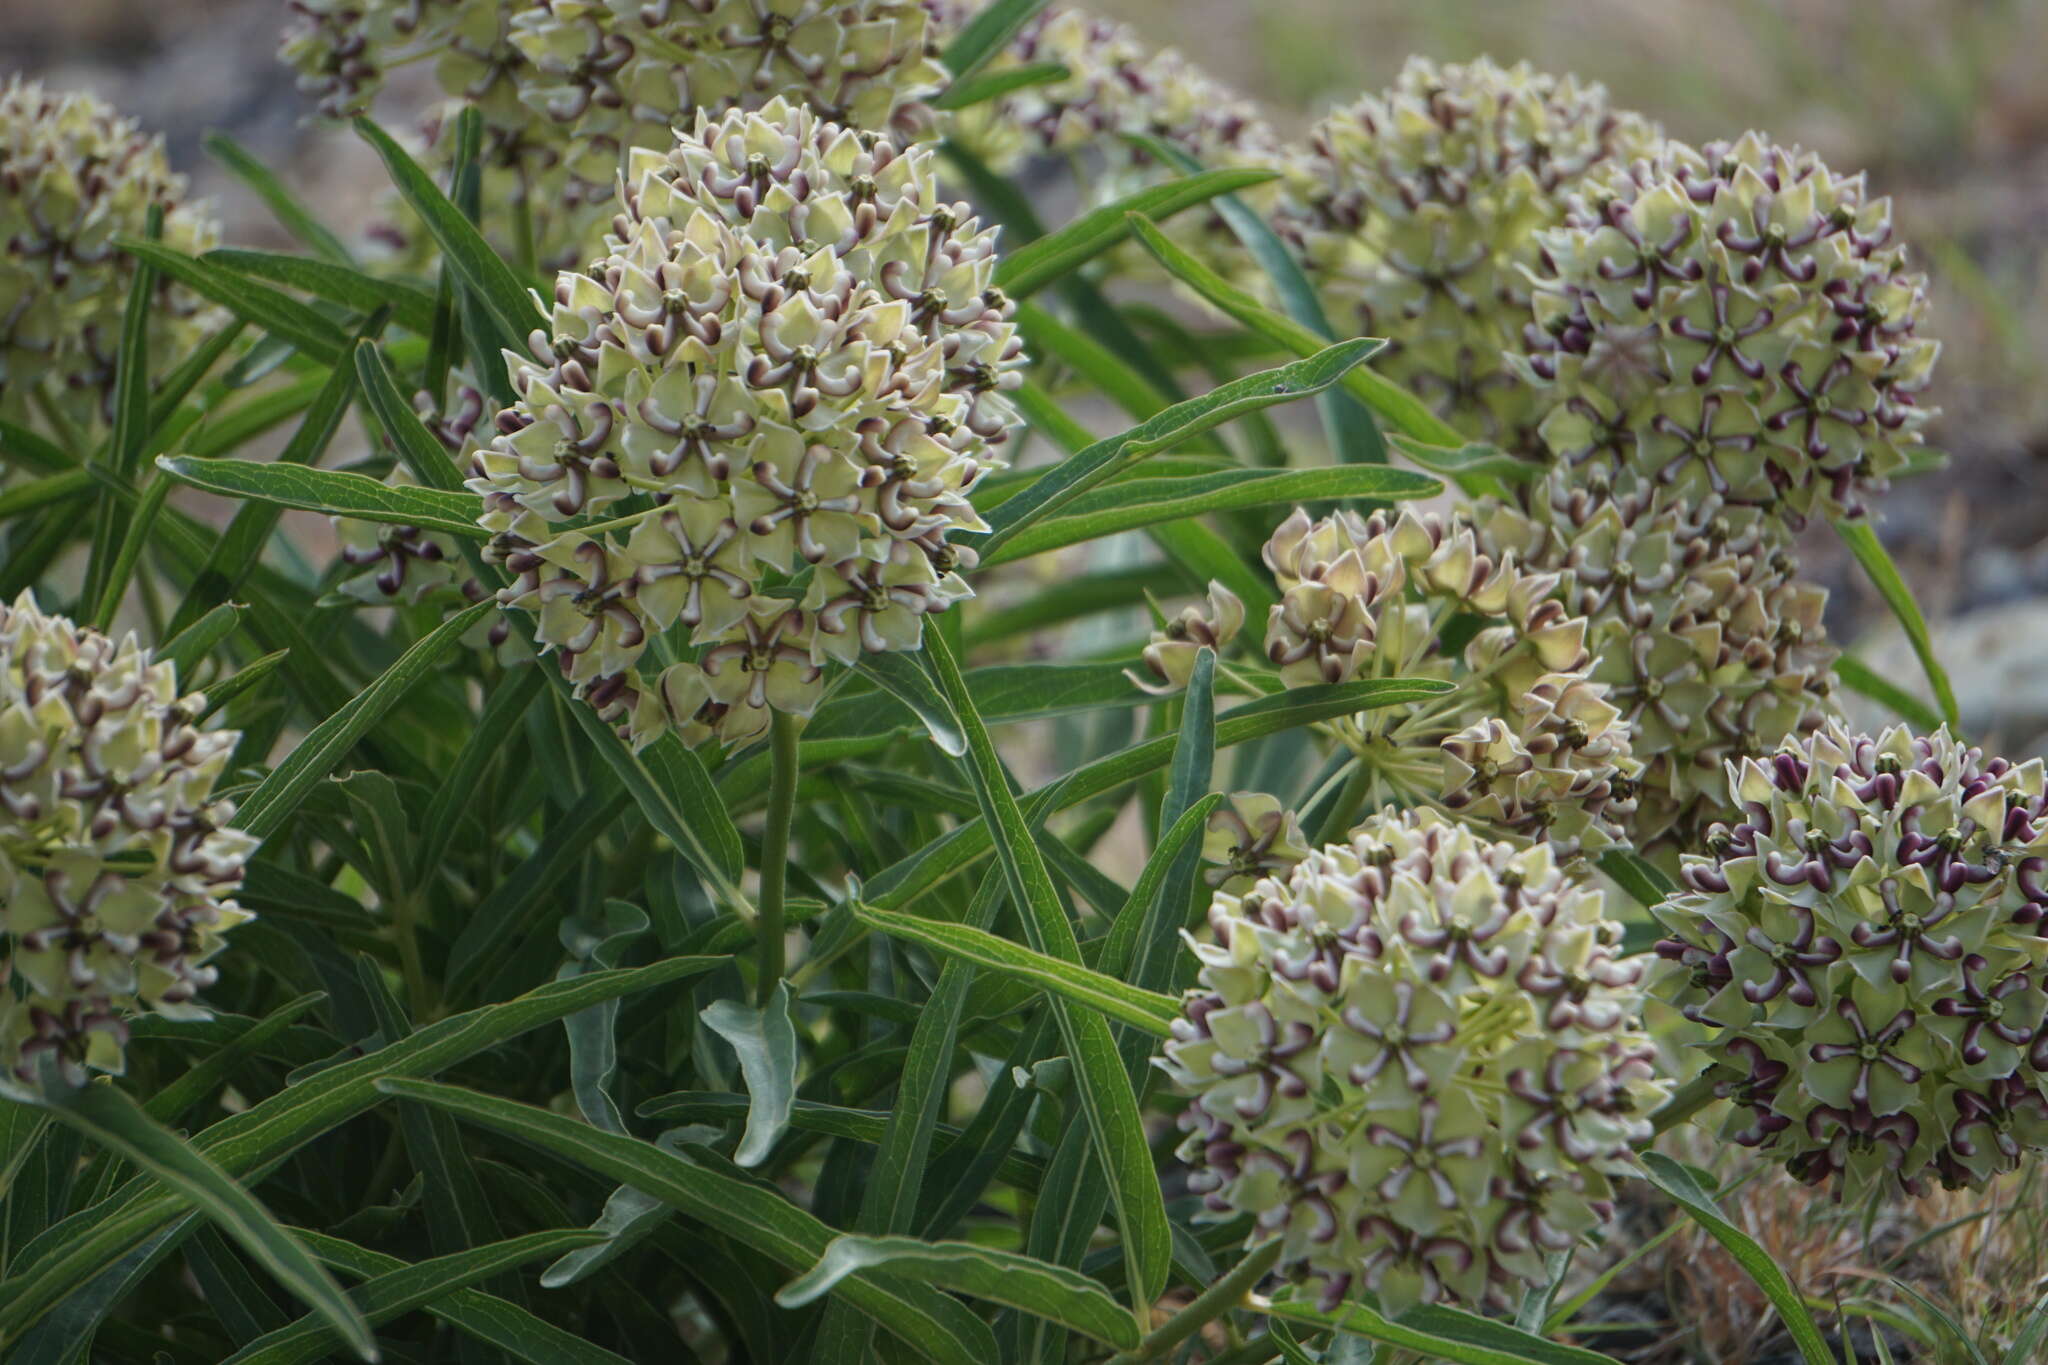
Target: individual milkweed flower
[[1416, 1059], [566, 88], [1170, 657], [1415, 211], [117, 870], [1250, 836], [1865, 947], [758, 417], [1736, 321], [74, 174], [1526, 742], [1700, 624]]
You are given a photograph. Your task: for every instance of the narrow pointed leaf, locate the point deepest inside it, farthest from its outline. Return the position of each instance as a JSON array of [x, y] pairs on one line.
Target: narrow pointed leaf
[[1039, 263], [927, 1321], [1052, 1292], [276, 312], [291, 214], [337, 492], [765, 1041], [1884, 576], [987, 34], [1437, 1333], [411, 305]]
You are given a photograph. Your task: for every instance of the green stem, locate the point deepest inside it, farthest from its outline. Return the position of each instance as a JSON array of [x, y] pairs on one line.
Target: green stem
[[1695, 1095], [775, 850], [1218, 1299], [1338, 820]]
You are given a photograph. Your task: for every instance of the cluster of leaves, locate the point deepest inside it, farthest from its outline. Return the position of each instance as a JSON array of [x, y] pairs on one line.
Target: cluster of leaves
[[509, 1035]]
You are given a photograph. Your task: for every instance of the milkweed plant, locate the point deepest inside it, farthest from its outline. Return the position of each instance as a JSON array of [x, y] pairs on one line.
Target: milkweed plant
[[721, 744]]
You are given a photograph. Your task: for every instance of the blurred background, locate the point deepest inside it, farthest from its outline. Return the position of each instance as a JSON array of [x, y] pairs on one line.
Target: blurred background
[[1941, 100]]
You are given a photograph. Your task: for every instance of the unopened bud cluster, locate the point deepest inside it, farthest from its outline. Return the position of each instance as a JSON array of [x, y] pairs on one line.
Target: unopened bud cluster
[[567, 88], [73, 176], [757, 416], [1527, 742], [1416, 1059], [1736, 321], [1866, 947], [117, 871], [1416, 212]]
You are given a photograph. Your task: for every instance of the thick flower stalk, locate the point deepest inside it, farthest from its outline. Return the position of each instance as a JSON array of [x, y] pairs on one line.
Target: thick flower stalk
[[757, 416], [1735, 322], [1700, 627], [1416, 210], [1865, 946], [567, 88], [1416, 1059], [74, 175], [117, 870], [1527, 742]]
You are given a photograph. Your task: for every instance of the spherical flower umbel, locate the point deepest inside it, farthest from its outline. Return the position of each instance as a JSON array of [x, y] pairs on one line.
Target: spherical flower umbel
[[1736, 321], [1701, 627], [1865, 946], [567, 87], [117, 871], [1416, 209], [74, 174], [1416, 1058], [757, 416]]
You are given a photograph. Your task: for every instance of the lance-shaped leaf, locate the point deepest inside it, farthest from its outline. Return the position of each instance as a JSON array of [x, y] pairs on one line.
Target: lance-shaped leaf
[[1884, 576], [337, 492], [278, 313], [1150, 1011], [1039, 263], [1435, 1332], [1055, 1293], [765, 1042]]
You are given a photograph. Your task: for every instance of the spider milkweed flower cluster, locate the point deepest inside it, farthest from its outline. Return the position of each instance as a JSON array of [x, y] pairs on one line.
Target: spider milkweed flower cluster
[[74, 174], [1865, 946], [1736, 321], [1417, 1059], [1416, 211], [758, 416], [567, 88], [1700, 626], [117, 866]]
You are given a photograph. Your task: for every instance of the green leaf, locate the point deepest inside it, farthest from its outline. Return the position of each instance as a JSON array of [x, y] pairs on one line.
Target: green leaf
[[1006, 693], [765, 1042], [169, 1104], [1676, 1181], [1038, 263], [396, 1292], [108, 1117], [494, 285], [491, 1320], [670, 785], [283, 206], [1884, 576], [1130, 504], [1150, 1011], [986, 34], [79, 1248], [337, 492], [1389, 400], [907, 683], [897, 886], [1472, 460], [1353, 435], [983, 87], [1068, 480], [279, 794], [1437, 1333], [345, 285], [1107, 1101], [424, 455], [1861, 678], [278, 313], [750, 1214], [1642, 879], [185, 649], [1052, 1292]]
